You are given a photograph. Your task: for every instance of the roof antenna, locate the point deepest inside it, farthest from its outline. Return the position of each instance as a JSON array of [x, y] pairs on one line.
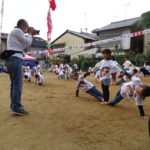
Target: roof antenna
[[126, 7], [85, 23]]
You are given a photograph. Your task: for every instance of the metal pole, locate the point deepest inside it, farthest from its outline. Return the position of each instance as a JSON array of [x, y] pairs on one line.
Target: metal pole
[[1, 23]]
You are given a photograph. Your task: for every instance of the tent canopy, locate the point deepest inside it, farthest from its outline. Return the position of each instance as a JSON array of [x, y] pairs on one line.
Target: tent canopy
[[29, 58]]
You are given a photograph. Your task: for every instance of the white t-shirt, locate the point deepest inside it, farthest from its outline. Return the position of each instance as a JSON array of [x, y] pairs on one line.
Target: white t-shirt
[[41, 78], [26, 68], [128, 90], [61, 66], [28, 74], [86, 86], [110, 64], [61, 72], [18, 41], [148, 68], [75, 66], [127, 64], [57, 70], [68, 68], [114, 69], [37, 69]]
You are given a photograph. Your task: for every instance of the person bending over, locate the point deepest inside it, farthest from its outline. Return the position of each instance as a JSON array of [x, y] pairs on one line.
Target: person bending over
[[132, 90], [88, 87]]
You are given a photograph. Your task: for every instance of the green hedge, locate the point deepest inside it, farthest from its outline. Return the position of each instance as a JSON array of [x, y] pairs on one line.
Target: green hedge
[[83, 63]]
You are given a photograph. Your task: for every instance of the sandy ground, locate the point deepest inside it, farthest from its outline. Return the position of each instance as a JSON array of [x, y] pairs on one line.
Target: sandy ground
[[60, 121]]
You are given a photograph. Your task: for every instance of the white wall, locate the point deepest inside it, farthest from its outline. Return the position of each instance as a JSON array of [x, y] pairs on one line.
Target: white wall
[[70, 40], [147, 42], [126, 42]]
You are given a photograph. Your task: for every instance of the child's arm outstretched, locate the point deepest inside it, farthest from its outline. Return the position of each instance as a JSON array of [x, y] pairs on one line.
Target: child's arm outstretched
[[86, 74], [79, 83]]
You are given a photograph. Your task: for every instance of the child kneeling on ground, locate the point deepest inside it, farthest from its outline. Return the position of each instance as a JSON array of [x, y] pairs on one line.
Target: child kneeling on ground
[[135, 90], [39, 78], [87, 86]]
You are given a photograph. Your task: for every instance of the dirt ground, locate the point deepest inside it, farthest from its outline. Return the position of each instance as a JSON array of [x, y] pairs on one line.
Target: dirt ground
[[60, 121]]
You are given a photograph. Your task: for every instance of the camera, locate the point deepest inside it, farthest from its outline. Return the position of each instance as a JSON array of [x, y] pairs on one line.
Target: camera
[[36, 32]]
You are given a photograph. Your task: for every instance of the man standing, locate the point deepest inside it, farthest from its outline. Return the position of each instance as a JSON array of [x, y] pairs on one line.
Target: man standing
[[17, 41]]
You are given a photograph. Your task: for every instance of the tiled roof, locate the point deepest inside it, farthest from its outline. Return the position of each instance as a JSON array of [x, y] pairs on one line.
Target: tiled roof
[[119, 24], [38, 42], [84, 35]]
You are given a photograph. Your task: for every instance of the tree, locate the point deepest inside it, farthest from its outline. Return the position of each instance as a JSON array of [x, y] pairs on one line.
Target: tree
[[145, 20]]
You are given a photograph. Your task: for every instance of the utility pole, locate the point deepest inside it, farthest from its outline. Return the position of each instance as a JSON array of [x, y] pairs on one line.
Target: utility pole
[[1, 23]]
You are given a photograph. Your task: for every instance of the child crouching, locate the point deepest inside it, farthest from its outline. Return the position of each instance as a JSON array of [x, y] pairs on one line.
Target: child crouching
[[39, 78], [61, 74]]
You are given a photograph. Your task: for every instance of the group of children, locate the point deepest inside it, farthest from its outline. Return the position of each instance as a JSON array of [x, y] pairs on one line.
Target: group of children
[[28, 73], [63, 71], [106, 71]]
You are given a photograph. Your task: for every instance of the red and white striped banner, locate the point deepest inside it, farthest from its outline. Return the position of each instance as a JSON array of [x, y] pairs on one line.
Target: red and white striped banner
[[52, 5], [118, 38]]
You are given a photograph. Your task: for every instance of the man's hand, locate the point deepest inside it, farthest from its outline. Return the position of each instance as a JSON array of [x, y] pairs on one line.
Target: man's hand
[[35, 33], [31, 31]]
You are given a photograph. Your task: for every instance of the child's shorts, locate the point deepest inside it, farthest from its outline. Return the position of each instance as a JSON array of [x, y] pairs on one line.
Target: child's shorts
[[62, 76]]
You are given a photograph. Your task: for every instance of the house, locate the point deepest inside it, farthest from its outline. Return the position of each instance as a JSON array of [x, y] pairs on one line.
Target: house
[[71, 38], [147, 42], [38, 44], [4, 41], [91, 53], [120, 28]]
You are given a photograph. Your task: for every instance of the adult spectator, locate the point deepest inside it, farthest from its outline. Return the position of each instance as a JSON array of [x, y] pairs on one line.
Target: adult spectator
[[17, 42]]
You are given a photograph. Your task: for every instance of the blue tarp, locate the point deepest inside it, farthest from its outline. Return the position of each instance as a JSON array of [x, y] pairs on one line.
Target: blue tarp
[[31, 63]]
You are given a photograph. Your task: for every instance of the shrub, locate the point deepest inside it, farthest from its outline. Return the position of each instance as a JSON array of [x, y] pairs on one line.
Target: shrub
[[83, 63], [88, 62], [55, 61]]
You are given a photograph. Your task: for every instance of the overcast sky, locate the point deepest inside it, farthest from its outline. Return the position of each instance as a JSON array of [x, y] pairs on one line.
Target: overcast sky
[[71, 14]]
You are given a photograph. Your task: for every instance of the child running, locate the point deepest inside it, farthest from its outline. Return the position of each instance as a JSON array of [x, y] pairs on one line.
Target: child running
[[106, 67], [135, 90], [87, 86]]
